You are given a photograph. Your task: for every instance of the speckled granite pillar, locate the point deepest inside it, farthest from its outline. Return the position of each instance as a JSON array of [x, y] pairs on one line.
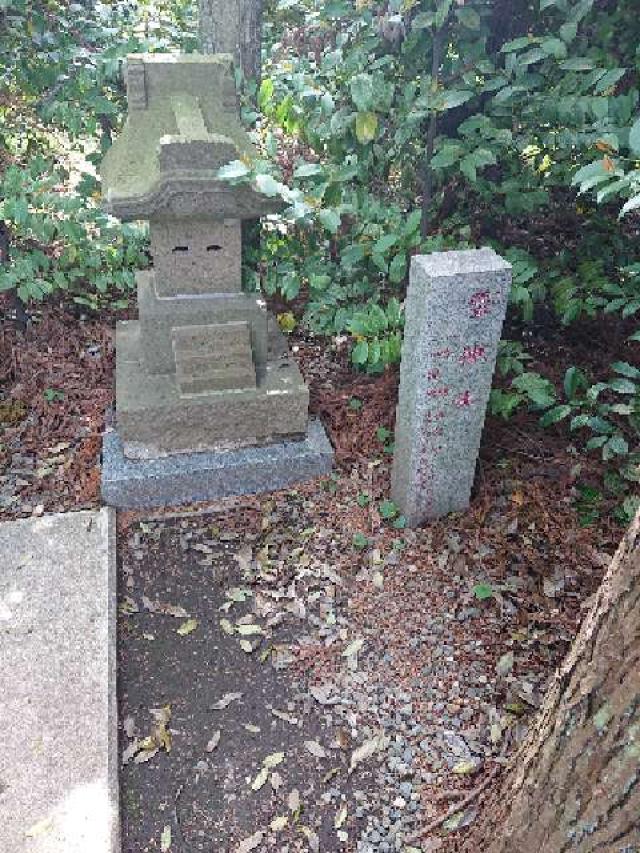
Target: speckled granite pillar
[[454, 310]]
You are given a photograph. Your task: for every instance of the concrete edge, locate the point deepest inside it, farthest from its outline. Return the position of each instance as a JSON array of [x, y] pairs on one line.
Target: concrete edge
[[108, 518]]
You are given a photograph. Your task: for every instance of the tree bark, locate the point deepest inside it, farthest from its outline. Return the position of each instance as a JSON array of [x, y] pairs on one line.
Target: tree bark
[[235, 27], [574, 783]]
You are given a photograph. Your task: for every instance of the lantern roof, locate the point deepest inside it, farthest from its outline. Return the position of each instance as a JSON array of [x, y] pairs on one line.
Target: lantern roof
[[182, 126]]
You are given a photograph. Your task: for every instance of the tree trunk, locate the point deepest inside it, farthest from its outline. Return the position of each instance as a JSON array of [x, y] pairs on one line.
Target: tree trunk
[[574, 784], [235, 27]]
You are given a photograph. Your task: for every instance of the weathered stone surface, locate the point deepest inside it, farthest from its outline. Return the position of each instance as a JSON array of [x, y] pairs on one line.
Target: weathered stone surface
[[197, 372], [454, 312], [181, 127], [193, 256], [152, 413], [159, 315], [59, 767], [185, 478], [213, 358]]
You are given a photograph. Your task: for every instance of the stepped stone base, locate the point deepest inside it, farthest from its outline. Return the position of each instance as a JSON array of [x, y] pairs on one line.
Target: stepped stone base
[[192, 477], [155, 419], [160, 315]]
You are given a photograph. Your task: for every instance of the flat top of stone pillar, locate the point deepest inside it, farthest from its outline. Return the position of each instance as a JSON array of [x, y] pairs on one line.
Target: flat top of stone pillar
[[442, 264]]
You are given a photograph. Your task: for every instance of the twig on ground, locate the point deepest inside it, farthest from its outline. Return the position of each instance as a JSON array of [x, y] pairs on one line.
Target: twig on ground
[[456, 807]]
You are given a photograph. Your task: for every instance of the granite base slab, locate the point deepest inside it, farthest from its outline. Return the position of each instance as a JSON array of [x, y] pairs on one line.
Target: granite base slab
[[192, 477]]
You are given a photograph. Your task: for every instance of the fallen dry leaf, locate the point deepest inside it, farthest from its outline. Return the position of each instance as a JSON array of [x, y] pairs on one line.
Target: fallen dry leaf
[[315, 749], [260, 779], [293, 800], [249, 630], [367, 749], [187, 627], [215, 740], [42, 827], [353, 648], [227, 627], [250, 843], [312, 838], [279, 823], [226, 700], [273, 760], [288, 718]]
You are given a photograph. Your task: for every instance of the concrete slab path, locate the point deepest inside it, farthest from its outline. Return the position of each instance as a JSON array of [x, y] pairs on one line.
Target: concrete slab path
[[58, 763]]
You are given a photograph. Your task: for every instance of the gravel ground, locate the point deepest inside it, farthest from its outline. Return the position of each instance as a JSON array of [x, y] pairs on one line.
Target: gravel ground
[[410, 661]]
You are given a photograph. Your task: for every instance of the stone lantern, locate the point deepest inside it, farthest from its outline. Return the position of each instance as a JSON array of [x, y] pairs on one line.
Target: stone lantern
[[208, 399]]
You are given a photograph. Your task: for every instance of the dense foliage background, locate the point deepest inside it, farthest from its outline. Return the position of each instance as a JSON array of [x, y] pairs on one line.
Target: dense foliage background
[[388, 128]]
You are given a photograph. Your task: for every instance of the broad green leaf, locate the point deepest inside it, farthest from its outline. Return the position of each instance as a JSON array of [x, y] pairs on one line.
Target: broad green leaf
[[608, 80], [617, 445], [483, 157], [568, 32], [361, 88], [595, 181], [468, 17], [517, 44], [580, 10], [235, 169], [267, 185], [554, 47], [330, 219], [307, 170], [265, 93], [589, 171], [398, 268], [366, 127], [446, 156], [596, 441], [599, 424], [577, 64], [360, 353], [422, 21], [442, 12], [632, 204], [574, 379], [468, 167], [483, 591], [531, 57], [579, 422], [557, 413], [538, 389], [623, 386], [455, 97], [626, 369], [634, 137], [388, 509], [383, 245]]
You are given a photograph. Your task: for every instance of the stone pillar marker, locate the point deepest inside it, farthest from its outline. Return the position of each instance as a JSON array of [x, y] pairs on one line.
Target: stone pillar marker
[[454, 311], [209, 402]]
